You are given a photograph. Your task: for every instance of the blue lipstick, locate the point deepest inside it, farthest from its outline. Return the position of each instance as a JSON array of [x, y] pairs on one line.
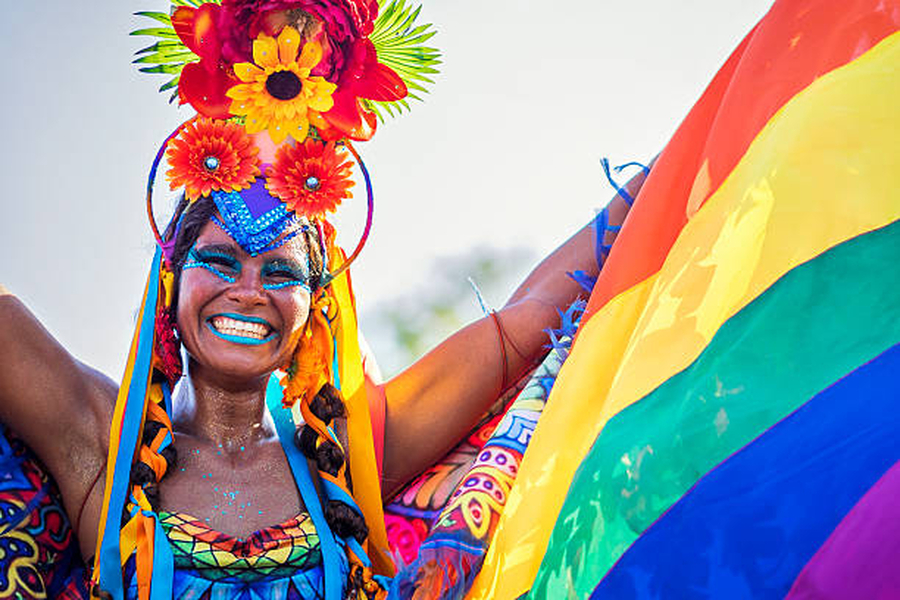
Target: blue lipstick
[[239, 339]]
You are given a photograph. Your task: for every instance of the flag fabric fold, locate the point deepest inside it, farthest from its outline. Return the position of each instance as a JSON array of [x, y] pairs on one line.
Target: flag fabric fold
[[752, 274]]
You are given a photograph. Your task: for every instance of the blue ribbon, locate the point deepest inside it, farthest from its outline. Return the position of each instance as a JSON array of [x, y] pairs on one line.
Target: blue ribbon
[[331, 551], [110, 567]]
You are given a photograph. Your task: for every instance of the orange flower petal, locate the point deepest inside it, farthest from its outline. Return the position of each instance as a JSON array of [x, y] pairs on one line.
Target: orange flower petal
[[321, 99], [238, 161], [317, 120], [265, 51], [287, 177], [310, 56], [240, 92], [299, 129], [248, 72], [288, 44], [239, 107], [287, 111], [278, 131], [255, 123]]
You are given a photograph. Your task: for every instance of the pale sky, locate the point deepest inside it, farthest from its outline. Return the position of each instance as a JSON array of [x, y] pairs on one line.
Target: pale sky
[[504, 152]]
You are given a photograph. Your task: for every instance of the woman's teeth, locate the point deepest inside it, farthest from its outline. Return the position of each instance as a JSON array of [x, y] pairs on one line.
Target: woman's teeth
[[246, 329]]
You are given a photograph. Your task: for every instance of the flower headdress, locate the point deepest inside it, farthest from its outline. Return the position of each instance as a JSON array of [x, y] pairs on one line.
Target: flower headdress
[[282, 88], [363, 62]]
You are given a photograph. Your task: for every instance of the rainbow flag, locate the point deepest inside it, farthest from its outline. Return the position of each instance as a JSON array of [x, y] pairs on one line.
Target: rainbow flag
[[727, 424]]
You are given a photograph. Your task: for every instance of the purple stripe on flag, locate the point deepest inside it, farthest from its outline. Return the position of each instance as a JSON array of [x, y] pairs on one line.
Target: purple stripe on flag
[[860, 557]]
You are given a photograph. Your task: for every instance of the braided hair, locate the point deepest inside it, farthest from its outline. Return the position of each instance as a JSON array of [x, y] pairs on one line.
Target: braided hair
[[329, 458]]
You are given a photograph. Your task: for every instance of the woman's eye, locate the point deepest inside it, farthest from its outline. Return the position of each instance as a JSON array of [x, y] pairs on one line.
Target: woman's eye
[[283, 271], [223, 263], [278, 275], [220, 261], [282, 274]]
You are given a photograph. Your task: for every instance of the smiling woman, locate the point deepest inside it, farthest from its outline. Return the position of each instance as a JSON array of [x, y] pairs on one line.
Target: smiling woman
[[221, 290], [190, 479]]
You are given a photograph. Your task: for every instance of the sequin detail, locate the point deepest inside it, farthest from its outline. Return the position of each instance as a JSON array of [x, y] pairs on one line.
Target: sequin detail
[[255, 234]]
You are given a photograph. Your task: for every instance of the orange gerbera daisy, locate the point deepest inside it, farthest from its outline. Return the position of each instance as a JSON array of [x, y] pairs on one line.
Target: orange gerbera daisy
[[311, 178], [212, 155], [278, 92]]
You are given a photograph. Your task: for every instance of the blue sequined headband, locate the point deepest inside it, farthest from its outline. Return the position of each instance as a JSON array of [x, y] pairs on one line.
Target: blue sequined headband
[[255, 219]]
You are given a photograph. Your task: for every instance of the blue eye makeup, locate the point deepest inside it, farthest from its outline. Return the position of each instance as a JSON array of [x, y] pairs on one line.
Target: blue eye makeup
[[276, 274], [281, 273], [219, 263]]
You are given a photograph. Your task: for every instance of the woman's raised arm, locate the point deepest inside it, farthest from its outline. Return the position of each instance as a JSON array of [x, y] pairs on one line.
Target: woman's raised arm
[[433, 403], [60, 407]]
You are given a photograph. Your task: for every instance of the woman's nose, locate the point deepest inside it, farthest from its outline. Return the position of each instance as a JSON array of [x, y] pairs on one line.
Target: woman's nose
[[248, 288]]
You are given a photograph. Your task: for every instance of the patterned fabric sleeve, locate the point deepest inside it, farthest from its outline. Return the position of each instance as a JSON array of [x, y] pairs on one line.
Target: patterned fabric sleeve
[[39, 556]]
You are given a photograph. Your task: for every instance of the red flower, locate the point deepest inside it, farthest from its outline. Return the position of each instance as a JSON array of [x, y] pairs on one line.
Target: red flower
[[223, 36], [212, 155], [203, 84], [167, 357], [363, 77], [311, 178], [243, 20]]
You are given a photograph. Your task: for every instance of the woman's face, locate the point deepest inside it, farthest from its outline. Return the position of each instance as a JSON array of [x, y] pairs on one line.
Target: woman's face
[[241, 316]]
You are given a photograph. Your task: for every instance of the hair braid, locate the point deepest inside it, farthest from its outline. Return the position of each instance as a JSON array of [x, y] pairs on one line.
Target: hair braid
[[327, 405], [308, 381], [157, 454]]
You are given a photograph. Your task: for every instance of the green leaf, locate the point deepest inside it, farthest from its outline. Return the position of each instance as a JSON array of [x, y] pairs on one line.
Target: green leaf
[[170, 84], [162, 32], [168, 69], [194, 3], [164, 45], [165, 57], [399, 44], [156, 16]]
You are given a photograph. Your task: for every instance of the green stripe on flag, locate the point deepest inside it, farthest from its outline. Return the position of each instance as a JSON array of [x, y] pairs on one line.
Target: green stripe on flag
[[817, 323]]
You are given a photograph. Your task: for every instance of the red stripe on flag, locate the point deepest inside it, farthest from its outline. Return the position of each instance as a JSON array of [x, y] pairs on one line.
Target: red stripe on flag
[[760, 76]]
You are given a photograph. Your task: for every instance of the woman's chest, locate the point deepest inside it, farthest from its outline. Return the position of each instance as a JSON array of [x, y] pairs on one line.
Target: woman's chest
[[235, 492]]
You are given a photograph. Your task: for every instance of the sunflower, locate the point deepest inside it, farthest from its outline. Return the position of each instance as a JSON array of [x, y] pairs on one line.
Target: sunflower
[[212, 155], [311, 178], [278, 92]]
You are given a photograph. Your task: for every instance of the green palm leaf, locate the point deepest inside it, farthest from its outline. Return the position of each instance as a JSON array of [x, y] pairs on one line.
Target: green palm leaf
[[400, 45]]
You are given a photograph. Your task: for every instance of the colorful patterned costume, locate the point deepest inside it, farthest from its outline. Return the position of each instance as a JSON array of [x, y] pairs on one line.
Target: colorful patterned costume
[[39, 556], [726, 425], [281, 561], [38, 553]]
